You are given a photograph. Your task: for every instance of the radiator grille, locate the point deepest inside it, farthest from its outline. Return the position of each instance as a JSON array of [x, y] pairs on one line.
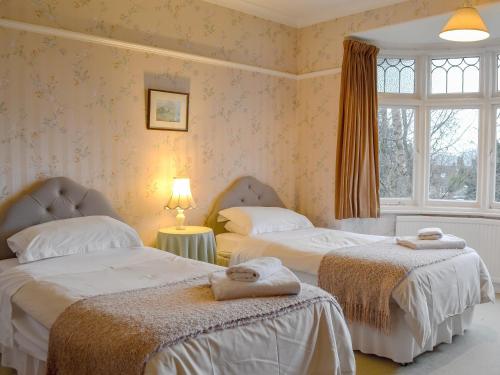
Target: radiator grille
[[481, 234]]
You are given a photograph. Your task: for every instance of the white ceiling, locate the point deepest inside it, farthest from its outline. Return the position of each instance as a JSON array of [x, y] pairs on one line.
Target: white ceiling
[[423, 33], [301, 13]]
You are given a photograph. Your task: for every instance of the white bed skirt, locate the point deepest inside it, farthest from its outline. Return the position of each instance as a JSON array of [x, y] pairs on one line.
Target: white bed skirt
[[311, 340], [25, 364], [400, 346]]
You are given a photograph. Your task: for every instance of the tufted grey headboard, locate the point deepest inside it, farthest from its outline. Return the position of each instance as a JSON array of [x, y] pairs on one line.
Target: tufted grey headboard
[[56, 198], [245, 191]]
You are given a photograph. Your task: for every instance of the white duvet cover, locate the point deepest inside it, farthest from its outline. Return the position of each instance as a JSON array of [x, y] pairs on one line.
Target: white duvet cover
[[428, 295], [311, 340]]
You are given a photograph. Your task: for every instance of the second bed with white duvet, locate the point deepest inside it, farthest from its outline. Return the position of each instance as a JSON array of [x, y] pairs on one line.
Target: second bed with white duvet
[[433, 303]]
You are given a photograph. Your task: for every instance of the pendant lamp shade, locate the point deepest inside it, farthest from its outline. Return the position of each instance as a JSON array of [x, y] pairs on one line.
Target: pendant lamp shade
[[465, 25]]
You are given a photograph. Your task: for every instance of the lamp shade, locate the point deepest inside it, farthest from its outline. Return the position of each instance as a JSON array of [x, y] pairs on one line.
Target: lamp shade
[[181, 195], [465, 25]]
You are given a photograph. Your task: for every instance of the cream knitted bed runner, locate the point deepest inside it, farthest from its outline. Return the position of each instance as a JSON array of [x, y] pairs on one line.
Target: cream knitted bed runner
[[362, 278], [118, 333]]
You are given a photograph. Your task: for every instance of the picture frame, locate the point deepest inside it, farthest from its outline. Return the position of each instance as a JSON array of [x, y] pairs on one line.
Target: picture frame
[[168, 110]]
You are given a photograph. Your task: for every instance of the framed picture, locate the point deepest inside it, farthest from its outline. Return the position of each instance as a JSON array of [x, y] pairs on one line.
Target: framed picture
[[168, 110]]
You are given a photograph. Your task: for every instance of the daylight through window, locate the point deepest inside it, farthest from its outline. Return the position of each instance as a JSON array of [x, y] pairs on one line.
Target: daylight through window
[[456, 75], [396, 75], [453, 144], [396, 151], [436, 116]]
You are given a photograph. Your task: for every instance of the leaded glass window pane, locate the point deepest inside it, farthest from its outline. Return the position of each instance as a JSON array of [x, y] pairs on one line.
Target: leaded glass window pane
[[396, 76], [455, 75]]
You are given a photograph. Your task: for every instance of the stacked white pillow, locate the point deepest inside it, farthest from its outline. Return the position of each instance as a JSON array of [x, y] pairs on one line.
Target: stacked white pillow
[[72, 236], [249, 221]]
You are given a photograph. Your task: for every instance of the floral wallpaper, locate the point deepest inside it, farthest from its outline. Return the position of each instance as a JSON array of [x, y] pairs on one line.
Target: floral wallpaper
[[192, 26], [316, 172], [79, 110]]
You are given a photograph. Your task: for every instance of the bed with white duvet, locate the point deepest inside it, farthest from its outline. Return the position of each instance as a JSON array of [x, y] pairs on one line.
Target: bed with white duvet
[[54, 272], [430, 305]]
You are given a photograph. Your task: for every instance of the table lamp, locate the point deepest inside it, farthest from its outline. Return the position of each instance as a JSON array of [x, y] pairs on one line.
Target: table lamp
[[181, 200]]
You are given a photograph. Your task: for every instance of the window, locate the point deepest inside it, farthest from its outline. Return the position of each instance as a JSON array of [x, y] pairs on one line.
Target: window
[[498, 72], [497, 151], [453, 143], [436, 116], [455, 75], [396, 75], [396, 151]]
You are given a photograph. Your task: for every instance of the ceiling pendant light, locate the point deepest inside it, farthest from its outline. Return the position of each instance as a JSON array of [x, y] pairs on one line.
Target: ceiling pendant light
[[465, 25]]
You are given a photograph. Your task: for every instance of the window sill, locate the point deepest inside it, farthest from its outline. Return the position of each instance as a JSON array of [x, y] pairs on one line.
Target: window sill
[[441, 211]]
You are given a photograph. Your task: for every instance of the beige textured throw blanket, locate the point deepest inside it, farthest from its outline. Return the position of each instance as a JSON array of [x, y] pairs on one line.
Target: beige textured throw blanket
[[363, 277], [118, 333]]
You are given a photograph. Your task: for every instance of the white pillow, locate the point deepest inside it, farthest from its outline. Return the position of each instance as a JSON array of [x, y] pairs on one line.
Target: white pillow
[[71, 236], [256, 220], [232, 227]]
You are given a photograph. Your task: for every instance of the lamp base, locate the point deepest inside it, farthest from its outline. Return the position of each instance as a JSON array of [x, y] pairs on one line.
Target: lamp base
[[180, 219]]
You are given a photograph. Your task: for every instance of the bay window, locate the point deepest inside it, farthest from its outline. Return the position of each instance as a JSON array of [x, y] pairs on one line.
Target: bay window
[[439, 132]]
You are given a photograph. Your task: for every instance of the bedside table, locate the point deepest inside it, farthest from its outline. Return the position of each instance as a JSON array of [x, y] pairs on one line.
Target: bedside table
[[191, 242]]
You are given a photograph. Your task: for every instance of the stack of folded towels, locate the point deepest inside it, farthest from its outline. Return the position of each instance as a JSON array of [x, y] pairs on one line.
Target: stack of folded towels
[[431, 238], [259, 277]]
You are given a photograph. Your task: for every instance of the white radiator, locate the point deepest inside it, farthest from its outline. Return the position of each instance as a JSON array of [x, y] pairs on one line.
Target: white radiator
[[481, 234]]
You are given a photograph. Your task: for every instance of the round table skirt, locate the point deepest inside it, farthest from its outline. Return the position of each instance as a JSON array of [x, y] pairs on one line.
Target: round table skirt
[[199, 246]]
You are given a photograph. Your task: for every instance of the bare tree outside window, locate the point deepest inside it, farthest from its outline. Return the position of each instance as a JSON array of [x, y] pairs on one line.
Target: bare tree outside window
[[437, 120], [396, 151], [453, 151]]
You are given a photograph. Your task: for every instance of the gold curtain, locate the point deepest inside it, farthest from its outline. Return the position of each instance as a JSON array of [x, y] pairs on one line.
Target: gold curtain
[[357, 173]]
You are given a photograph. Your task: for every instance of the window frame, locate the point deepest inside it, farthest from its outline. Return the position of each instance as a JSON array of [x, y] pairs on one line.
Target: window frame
[[495, 89], [410, 200], [406, 100], [430, 202], [428, 76], [413, 95], [487, 100], [492, 153]]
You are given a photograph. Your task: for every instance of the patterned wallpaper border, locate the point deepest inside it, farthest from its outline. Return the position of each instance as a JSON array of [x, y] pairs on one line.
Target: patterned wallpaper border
[[51, 31]]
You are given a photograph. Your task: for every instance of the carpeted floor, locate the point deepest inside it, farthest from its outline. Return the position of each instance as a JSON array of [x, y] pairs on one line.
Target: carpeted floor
[[475, 353]]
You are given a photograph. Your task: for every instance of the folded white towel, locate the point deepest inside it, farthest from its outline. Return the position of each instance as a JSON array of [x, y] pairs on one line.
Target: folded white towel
[[446, 242], [430, 233], [282, 282], [255, 269], [430, 237]]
